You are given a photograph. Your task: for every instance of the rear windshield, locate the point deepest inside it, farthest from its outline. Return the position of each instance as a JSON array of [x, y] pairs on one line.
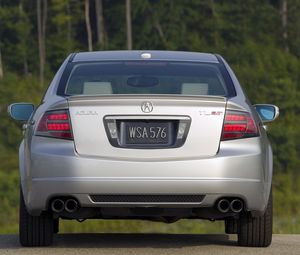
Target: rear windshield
[[147, 77]]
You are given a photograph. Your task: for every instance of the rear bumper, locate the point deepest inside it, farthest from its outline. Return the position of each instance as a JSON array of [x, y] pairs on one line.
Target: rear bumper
[[233, 173]]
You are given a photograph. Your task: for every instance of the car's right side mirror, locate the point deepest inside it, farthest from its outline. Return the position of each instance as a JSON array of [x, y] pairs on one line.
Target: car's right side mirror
[[267, 112]]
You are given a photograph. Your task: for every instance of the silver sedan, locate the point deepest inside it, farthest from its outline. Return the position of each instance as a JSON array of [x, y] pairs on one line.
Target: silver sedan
[[153, 135]]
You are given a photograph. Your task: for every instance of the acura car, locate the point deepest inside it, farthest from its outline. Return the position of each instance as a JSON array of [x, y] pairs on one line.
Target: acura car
[[151, 135]]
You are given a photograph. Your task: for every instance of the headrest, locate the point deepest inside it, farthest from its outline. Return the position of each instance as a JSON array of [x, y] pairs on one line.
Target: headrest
[[194, 88], [97, 87]]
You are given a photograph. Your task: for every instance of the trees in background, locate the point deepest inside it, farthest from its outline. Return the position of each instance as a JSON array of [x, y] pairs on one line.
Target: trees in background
[[128, 25], [284, 21], [42, 11], [1, 68], [88, 24], [100, 23], [260, 39]]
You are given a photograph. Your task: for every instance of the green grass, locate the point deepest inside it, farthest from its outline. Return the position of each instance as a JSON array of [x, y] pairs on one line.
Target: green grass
[[138, 226]]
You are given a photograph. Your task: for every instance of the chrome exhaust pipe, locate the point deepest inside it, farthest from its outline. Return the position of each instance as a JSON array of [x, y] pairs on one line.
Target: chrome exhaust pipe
[[223, 205], [236, 205], [71, 205], [57, 205]]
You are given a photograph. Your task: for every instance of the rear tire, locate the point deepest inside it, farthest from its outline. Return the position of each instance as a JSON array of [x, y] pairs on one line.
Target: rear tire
[[231, 226], [34, 230], [56, 226], [256, 232]]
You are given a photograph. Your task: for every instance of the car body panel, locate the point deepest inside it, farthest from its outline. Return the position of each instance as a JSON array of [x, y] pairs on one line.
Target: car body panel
[[229, 173]]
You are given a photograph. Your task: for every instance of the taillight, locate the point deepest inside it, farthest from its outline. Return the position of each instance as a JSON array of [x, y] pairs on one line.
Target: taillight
[[238, 125], [55, 124]]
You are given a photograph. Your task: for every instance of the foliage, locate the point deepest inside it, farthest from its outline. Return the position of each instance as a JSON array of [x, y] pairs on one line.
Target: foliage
[[249, 34]]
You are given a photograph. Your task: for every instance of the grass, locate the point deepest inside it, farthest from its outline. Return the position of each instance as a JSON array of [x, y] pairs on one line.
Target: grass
[[137, 226]]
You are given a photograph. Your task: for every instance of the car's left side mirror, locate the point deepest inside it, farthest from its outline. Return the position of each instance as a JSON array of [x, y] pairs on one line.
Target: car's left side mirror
[[267, 112], [20, 111]]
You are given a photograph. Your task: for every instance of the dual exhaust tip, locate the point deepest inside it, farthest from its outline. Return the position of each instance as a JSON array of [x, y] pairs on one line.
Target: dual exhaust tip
[[224, 205], [70, 205]]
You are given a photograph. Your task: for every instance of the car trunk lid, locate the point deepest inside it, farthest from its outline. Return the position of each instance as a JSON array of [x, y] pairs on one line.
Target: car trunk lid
[[203, 115]]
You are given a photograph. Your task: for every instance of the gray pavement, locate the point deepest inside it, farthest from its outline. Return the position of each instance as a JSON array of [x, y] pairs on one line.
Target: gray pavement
[[131, 244]]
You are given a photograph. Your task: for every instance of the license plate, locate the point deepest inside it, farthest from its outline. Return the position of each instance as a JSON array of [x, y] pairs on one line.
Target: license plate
[[146, 132]]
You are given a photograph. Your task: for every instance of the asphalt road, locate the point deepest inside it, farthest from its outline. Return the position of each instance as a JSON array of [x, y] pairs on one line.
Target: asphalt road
[[142, 244]]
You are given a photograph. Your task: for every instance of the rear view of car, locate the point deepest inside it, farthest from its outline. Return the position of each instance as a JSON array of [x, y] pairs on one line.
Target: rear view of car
[[156, 135]]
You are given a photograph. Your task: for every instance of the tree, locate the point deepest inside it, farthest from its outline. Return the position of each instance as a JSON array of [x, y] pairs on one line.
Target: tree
[[88, 24], [284, 21], [1, 68], [128, 25], [41, 25], [157, 25], [100, 23], [23, 29], [61, 30]]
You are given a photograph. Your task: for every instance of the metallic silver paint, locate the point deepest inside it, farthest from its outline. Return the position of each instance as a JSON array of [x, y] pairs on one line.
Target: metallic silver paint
[[90, 165], [89, 131]]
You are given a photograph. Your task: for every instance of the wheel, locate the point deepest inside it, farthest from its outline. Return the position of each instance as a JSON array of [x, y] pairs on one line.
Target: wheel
[[56, 226], [256, 232], [34, 230], [231, 226]]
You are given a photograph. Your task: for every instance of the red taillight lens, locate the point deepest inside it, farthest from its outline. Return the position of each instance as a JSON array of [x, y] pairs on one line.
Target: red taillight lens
[[58, 116], [55, 124], [238, 125]]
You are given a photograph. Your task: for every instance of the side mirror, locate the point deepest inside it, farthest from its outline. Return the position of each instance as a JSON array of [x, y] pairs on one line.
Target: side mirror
[[267, 112], [20, 111]]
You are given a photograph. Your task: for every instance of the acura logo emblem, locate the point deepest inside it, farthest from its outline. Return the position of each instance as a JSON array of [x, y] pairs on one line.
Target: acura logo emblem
[[147, 107]]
